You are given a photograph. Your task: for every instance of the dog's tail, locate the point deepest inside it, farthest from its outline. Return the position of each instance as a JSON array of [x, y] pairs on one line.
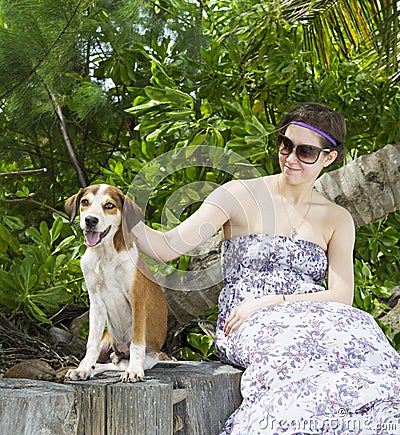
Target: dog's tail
[[106, 348]]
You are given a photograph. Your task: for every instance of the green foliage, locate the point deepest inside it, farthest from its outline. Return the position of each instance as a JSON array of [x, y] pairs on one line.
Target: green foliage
[[201, 340], [377, 243], [377, 267], [137, 79], [368, 290], [203, 344], [8, 242], [44, 274]]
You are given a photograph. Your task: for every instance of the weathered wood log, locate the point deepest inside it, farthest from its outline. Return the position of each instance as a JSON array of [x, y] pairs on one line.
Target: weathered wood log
[[199, 395], [107, 406], [368, 187], [212, 393], [139, 409], [92, 406], [185, 398], [37, 408]]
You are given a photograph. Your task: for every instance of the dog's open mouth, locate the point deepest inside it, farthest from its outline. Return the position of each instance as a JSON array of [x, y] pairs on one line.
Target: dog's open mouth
[[93, 238]]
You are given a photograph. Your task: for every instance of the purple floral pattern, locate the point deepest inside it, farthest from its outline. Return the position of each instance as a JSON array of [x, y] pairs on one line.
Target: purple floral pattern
[[310, 367]]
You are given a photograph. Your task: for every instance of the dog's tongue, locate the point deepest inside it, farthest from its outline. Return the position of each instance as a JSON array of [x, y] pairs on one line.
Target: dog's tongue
[[92, 237]]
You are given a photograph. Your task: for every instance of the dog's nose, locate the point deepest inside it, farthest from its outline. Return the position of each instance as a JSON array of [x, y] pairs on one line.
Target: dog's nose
[[91, 222]]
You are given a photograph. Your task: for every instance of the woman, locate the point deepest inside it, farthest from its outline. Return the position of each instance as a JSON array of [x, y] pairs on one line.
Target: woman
[[313, 364]]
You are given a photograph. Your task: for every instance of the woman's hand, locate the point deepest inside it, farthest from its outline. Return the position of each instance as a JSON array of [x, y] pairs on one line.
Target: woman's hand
[[242, 312]]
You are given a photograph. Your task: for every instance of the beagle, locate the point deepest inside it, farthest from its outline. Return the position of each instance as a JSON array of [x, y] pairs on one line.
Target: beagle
[[121, 294]]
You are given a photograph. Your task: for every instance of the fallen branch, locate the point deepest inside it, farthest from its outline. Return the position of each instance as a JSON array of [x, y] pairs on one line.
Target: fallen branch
[[33, 201], [25, 172], [67, 140]]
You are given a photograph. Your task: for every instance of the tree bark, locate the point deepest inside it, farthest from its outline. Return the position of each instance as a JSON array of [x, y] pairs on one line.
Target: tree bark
[[368, 187], [200, 395], [37, 408]]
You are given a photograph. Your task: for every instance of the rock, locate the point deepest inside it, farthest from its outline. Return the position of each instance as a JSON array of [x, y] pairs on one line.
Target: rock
[[32, 369]]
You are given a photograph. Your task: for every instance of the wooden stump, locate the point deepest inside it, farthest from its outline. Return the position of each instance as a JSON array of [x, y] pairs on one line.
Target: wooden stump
[[30, 407], [199, 395], [182, 398], [109, 407], [212, 394], [92, 405]]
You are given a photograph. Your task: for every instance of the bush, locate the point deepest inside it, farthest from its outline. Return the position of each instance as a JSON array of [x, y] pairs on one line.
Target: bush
[[45, 272]]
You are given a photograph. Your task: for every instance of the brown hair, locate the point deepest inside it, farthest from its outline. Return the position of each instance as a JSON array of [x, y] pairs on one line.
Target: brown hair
[[324, 118]]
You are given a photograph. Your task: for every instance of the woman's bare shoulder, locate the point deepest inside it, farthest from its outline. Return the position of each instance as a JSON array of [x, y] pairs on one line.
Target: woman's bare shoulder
[[337, 215], [243, 186]]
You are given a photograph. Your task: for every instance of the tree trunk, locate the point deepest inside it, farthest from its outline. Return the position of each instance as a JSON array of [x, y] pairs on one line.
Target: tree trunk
[[368, 187]]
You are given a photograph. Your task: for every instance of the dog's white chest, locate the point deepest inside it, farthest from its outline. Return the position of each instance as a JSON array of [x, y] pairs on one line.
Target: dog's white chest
[[112, 274], [110, 282]]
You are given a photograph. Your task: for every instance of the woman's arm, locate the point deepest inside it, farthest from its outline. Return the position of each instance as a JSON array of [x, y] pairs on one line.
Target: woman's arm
[[215, 211], [195, 230]]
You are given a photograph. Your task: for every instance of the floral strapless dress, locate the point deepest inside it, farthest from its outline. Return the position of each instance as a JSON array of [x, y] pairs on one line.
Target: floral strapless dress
[[310, 367]]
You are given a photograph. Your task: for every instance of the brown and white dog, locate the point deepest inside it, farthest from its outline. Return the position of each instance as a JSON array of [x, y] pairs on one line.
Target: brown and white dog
[[121, 295]]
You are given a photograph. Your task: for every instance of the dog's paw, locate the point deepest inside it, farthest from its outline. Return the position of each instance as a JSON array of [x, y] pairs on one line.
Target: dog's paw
[[77, 375], [115, 358], [132, 375]]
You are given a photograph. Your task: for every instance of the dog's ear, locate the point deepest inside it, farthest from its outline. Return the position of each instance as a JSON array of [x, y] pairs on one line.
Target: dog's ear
[[132, 213], [72, 205]]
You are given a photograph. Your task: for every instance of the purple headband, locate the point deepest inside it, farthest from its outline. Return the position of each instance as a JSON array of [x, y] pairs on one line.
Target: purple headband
[[317, 130]]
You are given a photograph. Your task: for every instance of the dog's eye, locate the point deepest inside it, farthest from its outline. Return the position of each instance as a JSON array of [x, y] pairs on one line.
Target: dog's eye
[[109, 205], [84, 202]]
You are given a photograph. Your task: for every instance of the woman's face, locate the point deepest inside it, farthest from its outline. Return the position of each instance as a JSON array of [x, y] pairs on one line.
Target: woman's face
[[294, 169]]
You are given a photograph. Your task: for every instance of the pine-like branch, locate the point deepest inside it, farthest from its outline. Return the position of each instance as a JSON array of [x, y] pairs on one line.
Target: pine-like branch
[[45, 55]]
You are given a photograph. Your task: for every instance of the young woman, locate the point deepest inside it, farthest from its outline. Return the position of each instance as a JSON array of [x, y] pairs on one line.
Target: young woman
[[313, 364]]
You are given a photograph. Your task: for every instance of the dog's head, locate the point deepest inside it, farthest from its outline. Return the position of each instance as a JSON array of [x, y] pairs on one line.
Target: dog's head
[[103, 210]]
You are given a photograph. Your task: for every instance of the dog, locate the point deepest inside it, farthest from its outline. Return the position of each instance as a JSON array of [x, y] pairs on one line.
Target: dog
[[122, 296]]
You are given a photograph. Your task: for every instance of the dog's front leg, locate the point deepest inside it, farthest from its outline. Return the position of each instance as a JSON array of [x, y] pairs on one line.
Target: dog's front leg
[[97, 321], [137, 349]]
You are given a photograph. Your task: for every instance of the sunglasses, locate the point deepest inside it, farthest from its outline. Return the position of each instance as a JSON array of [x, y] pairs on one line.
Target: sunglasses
[[307, 154]]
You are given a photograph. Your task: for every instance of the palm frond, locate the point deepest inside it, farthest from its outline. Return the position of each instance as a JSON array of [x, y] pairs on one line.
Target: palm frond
[[343, 27]]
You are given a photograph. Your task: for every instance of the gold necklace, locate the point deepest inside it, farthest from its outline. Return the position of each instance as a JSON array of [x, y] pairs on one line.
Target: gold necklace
[[294, 230]]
